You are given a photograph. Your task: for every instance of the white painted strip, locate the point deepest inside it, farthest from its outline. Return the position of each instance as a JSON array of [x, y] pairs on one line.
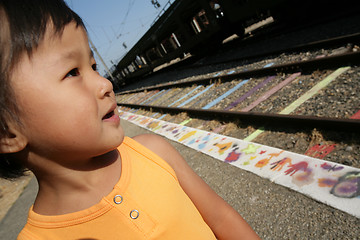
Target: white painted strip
[[331, 183]]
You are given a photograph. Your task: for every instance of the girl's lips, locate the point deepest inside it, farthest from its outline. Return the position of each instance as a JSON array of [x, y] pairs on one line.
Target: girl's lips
[[111, 117]]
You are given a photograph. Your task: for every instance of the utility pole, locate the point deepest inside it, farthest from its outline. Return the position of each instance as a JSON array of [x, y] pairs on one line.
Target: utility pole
[[97, 53]]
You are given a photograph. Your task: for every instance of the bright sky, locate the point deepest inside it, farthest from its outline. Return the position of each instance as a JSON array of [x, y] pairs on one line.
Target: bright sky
[[111, 23]]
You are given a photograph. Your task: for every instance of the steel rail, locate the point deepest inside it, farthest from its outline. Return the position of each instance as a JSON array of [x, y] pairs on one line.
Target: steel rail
[[262, 119], [304, 66]]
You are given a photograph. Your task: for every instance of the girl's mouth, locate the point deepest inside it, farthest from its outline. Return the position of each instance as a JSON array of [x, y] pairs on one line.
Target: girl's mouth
[[109, 115]]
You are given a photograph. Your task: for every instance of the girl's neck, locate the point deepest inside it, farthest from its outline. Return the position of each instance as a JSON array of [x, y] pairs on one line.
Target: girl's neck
[[60, 192]]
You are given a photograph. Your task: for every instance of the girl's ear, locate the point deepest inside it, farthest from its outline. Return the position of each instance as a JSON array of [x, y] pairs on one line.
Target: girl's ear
[[14, 142]]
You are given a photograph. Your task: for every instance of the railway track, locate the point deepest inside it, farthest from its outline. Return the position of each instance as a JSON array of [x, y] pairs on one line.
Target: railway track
[[300, 103], [341, 56]]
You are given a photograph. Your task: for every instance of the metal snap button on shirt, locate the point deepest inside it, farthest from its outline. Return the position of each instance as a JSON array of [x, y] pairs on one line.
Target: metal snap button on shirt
[[118, 199], [134, 214]]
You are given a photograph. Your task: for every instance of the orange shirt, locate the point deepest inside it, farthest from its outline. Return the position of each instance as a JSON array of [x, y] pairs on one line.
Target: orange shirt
[[147, 203]]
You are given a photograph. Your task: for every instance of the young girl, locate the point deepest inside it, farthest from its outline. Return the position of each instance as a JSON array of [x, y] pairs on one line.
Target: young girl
[[58, 119]]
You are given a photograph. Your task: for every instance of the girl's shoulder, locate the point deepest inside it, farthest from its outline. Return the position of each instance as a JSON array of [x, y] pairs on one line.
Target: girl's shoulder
[[165, 150]]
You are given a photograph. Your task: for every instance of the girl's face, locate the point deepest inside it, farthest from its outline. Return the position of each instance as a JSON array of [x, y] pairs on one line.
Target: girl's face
[[68, 110]]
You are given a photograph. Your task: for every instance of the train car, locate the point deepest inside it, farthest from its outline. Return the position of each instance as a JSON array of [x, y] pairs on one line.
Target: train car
[[180, 29], [196, 26], [187, 26]]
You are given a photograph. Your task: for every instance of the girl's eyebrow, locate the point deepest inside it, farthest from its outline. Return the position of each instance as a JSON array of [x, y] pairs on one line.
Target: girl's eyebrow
[[68, 55], [72, 54]]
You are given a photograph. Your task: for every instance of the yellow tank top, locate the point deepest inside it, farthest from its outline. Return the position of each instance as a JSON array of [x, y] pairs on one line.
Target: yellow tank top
[[147, 203]]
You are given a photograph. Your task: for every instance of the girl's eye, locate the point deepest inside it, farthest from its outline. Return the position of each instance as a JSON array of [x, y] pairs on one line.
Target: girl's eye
[[73, 73]]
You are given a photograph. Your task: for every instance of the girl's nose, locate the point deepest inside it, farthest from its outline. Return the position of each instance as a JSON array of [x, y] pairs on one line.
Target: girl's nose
[[105, 87]]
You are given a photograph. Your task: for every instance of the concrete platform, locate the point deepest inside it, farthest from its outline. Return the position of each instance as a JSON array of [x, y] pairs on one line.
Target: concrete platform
[[274, 212]]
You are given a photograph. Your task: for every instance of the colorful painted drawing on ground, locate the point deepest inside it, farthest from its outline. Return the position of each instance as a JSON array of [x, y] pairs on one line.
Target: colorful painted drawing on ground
[[331, 183], [320, 151]]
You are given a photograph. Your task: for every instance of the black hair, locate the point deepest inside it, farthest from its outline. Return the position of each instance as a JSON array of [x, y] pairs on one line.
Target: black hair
[[23, 24]]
